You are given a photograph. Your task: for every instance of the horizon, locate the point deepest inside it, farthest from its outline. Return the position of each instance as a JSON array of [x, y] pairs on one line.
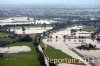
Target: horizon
[[49, 6], [70, 2]]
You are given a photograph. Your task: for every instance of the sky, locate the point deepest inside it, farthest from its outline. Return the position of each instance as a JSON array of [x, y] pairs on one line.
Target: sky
[[49, 1]]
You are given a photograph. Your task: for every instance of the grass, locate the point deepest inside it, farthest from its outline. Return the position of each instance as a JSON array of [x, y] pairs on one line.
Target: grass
[[94, 49], [3, 35], [54, 53], [6, 39], [89, 28], [18, 62], [22, 58]]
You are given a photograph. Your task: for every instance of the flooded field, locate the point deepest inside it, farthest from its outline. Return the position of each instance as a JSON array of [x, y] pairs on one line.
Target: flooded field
[[15, 49], [31, 30], [66, 44], [23, 20], [26, 20], [57, 41]]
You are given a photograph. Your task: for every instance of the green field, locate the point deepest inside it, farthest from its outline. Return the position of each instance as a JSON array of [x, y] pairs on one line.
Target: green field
[[22, 58], [94, 49], [89, 28], [7, 39], [3, 35], [54, 53]]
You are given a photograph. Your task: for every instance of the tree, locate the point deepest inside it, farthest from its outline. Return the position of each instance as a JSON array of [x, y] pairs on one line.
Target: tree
[[44, 25], [1, 55], [14, 27], [25, 38], [50, 38], [23, 29], [64, 38], [44, 33], [28, 19], [56, 37], [9, 29], [12, 19]]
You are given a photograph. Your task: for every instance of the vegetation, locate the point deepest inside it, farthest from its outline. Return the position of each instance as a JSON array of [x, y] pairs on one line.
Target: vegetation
[[37, 26], [89, 28], [55, 53], [5, 39], [18, 62], [94, 49], [25, 38], [3, 34], [31, 58], [21, 59]]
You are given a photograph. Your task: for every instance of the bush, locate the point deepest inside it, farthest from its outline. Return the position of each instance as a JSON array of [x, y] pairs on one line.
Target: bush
[[25, 38]]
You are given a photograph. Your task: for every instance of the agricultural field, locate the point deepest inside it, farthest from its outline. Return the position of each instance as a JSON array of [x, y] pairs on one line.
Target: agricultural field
[[3, 34], [22, 58], [89, 28], [54, 53]]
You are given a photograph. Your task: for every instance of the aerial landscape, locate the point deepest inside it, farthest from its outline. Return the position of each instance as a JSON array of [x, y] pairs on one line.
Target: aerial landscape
[[49, 33]]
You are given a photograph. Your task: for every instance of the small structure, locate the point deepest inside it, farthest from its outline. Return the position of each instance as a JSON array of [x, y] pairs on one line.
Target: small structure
[[73, 33], [98, 37], [83, 34]]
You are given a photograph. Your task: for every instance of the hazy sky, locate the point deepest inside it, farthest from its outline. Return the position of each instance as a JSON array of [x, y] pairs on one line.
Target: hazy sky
[[49, 1]]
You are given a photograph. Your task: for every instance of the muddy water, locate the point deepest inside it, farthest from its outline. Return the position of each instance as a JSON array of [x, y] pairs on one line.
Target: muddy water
[[73, 43], [77, 42]]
